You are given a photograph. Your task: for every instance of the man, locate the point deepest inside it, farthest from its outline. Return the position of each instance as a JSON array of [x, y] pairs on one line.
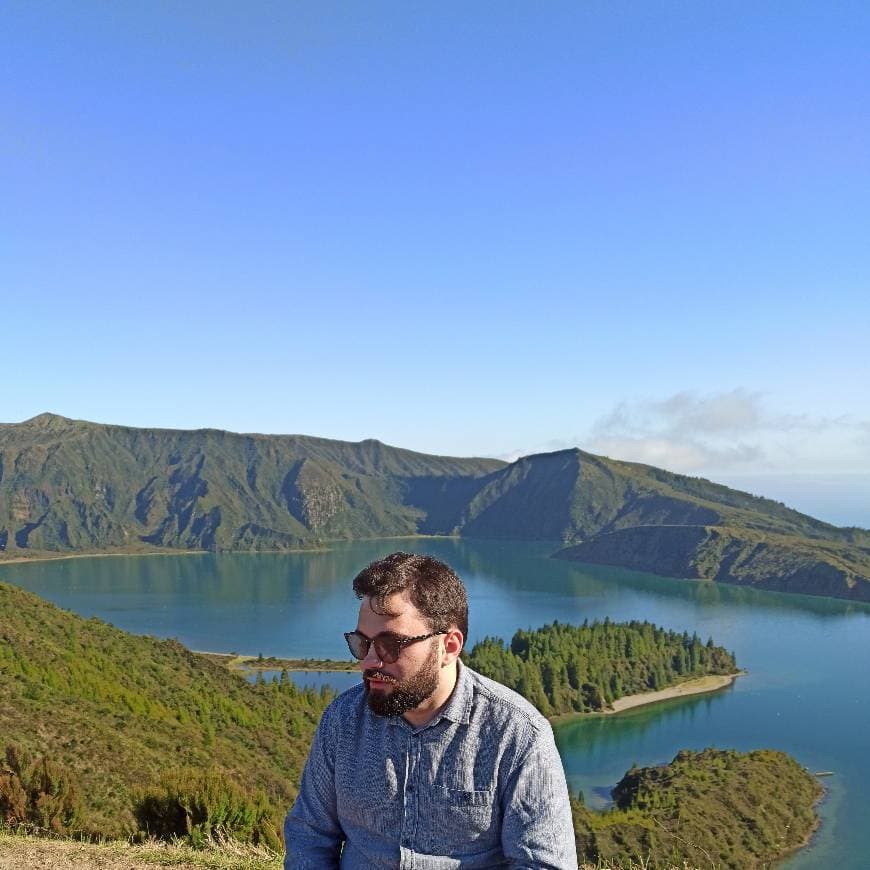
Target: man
[[427, 765]]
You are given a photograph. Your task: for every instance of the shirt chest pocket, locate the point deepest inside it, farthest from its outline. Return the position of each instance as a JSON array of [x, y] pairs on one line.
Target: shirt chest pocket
[[459, 822]]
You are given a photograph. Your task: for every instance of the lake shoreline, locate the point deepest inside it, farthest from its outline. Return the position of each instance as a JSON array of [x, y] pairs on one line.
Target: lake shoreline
[[234, 662], [697, 686], [320, 548], [24, 560]]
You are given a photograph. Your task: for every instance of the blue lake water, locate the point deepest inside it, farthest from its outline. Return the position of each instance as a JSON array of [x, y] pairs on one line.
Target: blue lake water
[[338, 680], [807, 691]]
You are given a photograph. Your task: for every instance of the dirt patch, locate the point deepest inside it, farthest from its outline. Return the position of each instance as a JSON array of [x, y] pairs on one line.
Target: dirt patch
[[32, 853]]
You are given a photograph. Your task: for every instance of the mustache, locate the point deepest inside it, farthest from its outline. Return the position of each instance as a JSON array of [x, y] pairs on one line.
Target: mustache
[[371, 674]]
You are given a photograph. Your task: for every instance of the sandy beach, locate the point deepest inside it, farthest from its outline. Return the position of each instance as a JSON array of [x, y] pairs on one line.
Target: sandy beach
[[690, 687], [698, 686]]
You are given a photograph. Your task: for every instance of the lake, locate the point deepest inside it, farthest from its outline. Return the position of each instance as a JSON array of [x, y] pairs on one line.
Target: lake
[[807, 691]]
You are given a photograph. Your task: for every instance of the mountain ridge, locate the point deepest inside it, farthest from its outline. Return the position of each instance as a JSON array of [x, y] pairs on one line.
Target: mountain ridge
[[70, 486]]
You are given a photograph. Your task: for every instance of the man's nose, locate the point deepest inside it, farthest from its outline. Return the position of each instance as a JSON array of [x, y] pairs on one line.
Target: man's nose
[[371, 658]]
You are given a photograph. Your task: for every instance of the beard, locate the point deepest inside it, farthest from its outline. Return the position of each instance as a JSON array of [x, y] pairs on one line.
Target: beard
[[405, 694]]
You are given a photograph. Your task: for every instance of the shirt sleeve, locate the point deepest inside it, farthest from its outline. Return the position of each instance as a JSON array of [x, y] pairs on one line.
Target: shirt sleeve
[[313, 836], [537, 828]]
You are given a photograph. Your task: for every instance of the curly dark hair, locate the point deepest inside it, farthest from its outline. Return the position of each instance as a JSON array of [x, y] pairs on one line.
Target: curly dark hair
[[433, 587]]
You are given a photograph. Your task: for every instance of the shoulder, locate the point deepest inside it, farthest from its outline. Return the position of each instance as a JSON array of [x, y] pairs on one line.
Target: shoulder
[[504, 707], [344, 709], [347, 702]]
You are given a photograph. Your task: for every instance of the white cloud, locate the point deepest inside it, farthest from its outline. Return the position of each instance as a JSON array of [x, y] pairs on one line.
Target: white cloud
[[729, 431], [687, 414], [735, 411], [685, 431], [675, 454]]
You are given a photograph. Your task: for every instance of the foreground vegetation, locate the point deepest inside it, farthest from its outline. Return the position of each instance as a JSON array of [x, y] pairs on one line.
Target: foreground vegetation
[[582, 669], [710, 809], [127, 717]]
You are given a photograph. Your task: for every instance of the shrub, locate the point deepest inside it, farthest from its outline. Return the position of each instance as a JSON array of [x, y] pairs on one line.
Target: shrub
[[206, 806], [38, 793]]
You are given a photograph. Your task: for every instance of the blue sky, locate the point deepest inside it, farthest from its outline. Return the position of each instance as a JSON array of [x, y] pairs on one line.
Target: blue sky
[[486, 228]]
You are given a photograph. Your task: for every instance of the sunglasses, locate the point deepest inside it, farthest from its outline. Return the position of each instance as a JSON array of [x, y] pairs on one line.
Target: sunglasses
[[388, 646]]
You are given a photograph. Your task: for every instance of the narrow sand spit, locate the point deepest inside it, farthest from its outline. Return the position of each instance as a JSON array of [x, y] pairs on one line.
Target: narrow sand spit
[[690, 687], [697, 686]]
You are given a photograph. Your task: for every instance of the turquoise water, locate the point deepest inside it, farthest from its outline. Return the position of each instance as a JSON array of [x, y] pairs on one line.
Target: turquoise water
[[807, 691], [338, 680]]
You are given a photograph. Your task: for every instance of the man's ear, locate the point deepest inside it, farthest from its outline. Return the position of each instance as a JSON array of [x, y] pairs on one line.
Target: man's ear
[[453, 642]]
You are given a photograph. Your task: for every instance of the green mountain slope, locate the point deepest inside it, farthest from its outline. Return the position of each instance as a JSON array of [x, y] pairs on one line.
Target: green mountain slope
[[118, 710], [637, 516], [727, 554], [572, 495], [71, 486]]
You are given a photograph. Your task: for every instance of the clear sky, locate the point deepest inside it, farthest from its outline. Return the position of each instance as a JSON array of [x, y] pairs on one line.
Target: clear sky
[[465, 228]]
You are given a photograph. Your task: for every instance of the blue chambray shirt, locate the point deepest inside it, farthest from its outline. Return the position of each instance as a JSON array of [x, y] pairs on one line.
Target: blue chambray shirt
[[481, 785]]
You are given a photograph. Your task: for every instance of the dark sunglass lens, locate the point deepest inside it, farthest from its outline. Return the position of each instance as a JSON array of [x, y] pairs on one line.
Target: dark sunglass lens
[[387, 648], [358, 645]]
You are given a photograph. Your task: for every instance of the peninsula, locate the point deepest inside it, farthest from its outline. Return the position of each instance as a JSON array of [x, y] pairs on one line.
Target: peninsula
[[603, 667]]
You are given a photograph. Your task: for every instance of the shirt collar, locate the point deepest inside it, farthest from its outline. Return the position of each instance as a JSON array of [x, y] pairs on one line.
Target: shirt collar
[[458, 707]]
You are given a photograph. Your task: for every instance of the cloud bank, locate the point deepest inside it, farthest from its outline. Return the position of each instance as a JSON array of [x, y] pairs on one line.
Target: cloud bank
[[732, 430]]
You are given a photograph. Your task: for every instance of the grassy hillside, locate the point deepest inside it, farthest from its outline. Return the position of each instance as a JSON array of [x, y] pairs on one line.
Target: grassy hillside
[[22, 852], [119, 711], [572, 495], [69, 486]]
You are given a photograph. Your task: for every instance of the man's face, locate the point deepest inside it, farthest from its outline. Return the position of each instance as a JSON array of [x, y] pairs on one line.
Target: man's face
[[397, 687]]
